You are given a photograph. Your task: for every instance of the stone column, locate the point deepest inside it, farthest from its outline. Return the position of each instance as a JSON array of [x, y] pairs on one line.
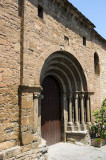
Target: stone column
[[35, 112], [82, 108], [88, 108], [65, 112], [76, 107], [70, 108]]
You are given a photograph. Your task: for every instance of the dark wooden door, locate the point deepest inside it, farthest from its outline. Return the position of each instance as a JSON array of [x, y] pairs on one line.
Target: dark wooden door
[[50, 111]]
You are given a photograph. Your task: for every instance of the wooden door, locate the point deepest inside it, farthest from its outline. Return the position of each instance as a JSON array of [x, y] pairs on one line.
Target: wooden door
[[50, 111]]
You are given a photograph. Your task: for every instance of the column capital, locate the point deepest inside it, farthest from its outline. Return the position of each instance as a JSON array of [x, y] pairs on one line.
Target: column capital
[[76, 95], [88, 96], [36, 95], [81, 95]]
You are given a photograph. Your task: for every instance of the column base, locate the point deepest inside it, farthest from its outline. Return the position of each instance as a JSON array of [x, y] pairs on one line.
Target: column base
[[70, 123], [88, 125], [77, 126], [83, 126], [70, 126]]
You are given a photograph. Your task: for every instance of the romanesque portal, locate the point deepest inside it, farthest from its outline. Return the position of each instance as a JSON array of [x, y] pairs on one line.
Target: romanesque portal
[[47, 44], [62, 78]]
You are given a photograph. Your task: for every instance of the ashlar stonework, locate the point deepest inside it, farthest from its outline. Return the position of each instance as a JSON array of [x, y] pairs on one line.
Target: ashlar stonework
[[47, 43]]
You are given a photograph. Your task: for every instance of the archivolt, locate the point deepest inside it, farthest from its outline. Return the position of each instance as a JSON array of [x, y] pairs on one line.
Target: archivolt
[[66, 69]]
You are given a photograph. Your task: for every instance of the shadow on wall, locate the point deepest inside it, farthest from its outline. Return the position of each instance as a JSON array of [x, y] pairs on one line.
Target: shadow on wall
[[70, 21]]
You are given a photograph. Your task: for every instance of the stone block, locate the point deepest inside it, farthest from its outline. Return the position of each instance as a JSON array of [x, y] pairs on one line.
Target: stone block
[[24, 121], [28, 120], [7, 144], [32, 45], [12, 152], [27, 138], [3, 137], [35, 145], [26, 148], [27, 104], [78, 136], [27, 112], [0, 77], [13, 136]]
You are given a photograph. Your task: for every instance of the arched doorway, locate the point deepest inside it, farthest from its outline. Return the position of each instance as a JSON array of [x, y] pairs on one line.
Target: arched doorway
[[50, 111], [75, 99]]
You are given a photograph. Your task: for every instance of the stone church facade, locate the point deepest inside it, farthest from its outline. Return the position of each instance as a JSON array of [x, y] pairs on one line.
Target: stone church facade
[[52, 76]]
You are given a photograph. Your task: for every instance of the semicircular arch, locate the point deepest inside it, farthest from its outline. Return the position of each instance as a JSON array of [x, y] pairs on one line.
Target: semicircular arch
[[66, 66]]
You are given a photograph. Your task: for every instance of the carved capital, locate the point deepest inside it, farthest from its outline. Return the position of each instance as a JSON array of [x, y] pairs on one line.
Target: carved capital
[[36, 95], [82, 95], [88, 96], [76, 95]]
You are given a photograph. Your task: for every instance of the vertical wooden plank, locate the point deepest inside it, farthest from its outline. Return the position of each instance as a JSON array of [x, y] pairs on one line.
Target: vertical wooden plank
[[50, 111]]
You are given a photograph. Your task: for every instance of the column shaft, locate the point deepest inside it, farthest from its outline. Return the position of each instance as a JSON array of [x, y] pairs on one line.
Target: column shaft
[[35, 112], [82, 108], [70, 109], [88, 109], [65, 115], [76, 108]]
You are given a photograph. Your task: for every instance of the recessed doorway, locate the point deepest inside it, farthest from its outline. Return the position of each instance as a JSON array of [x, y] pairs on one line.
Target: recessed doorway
[[51, 111]]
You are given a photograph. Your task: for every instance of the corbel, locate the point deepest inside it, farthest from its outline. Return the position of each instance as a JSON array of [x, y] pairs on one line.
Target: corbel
[[76, 18], [67, 10], [61, 4], [81, 21]]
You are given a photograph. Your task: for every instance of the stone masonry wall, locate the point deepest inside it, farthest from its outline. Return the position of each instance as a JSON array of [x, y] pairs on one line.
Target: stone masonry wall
[[21, 61], [44, 36], [103, 75], [16, 121], [9, 73]]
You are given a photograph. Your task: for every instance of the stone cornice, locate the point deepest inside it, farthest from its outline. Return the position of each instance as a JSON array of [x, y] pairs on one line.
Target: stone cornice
[[74, 12], [78, 16]]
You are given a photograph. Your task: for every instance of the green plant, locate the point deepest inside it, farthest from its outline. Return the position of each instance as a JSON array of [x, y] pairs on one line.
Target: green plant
[[98, 129]]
